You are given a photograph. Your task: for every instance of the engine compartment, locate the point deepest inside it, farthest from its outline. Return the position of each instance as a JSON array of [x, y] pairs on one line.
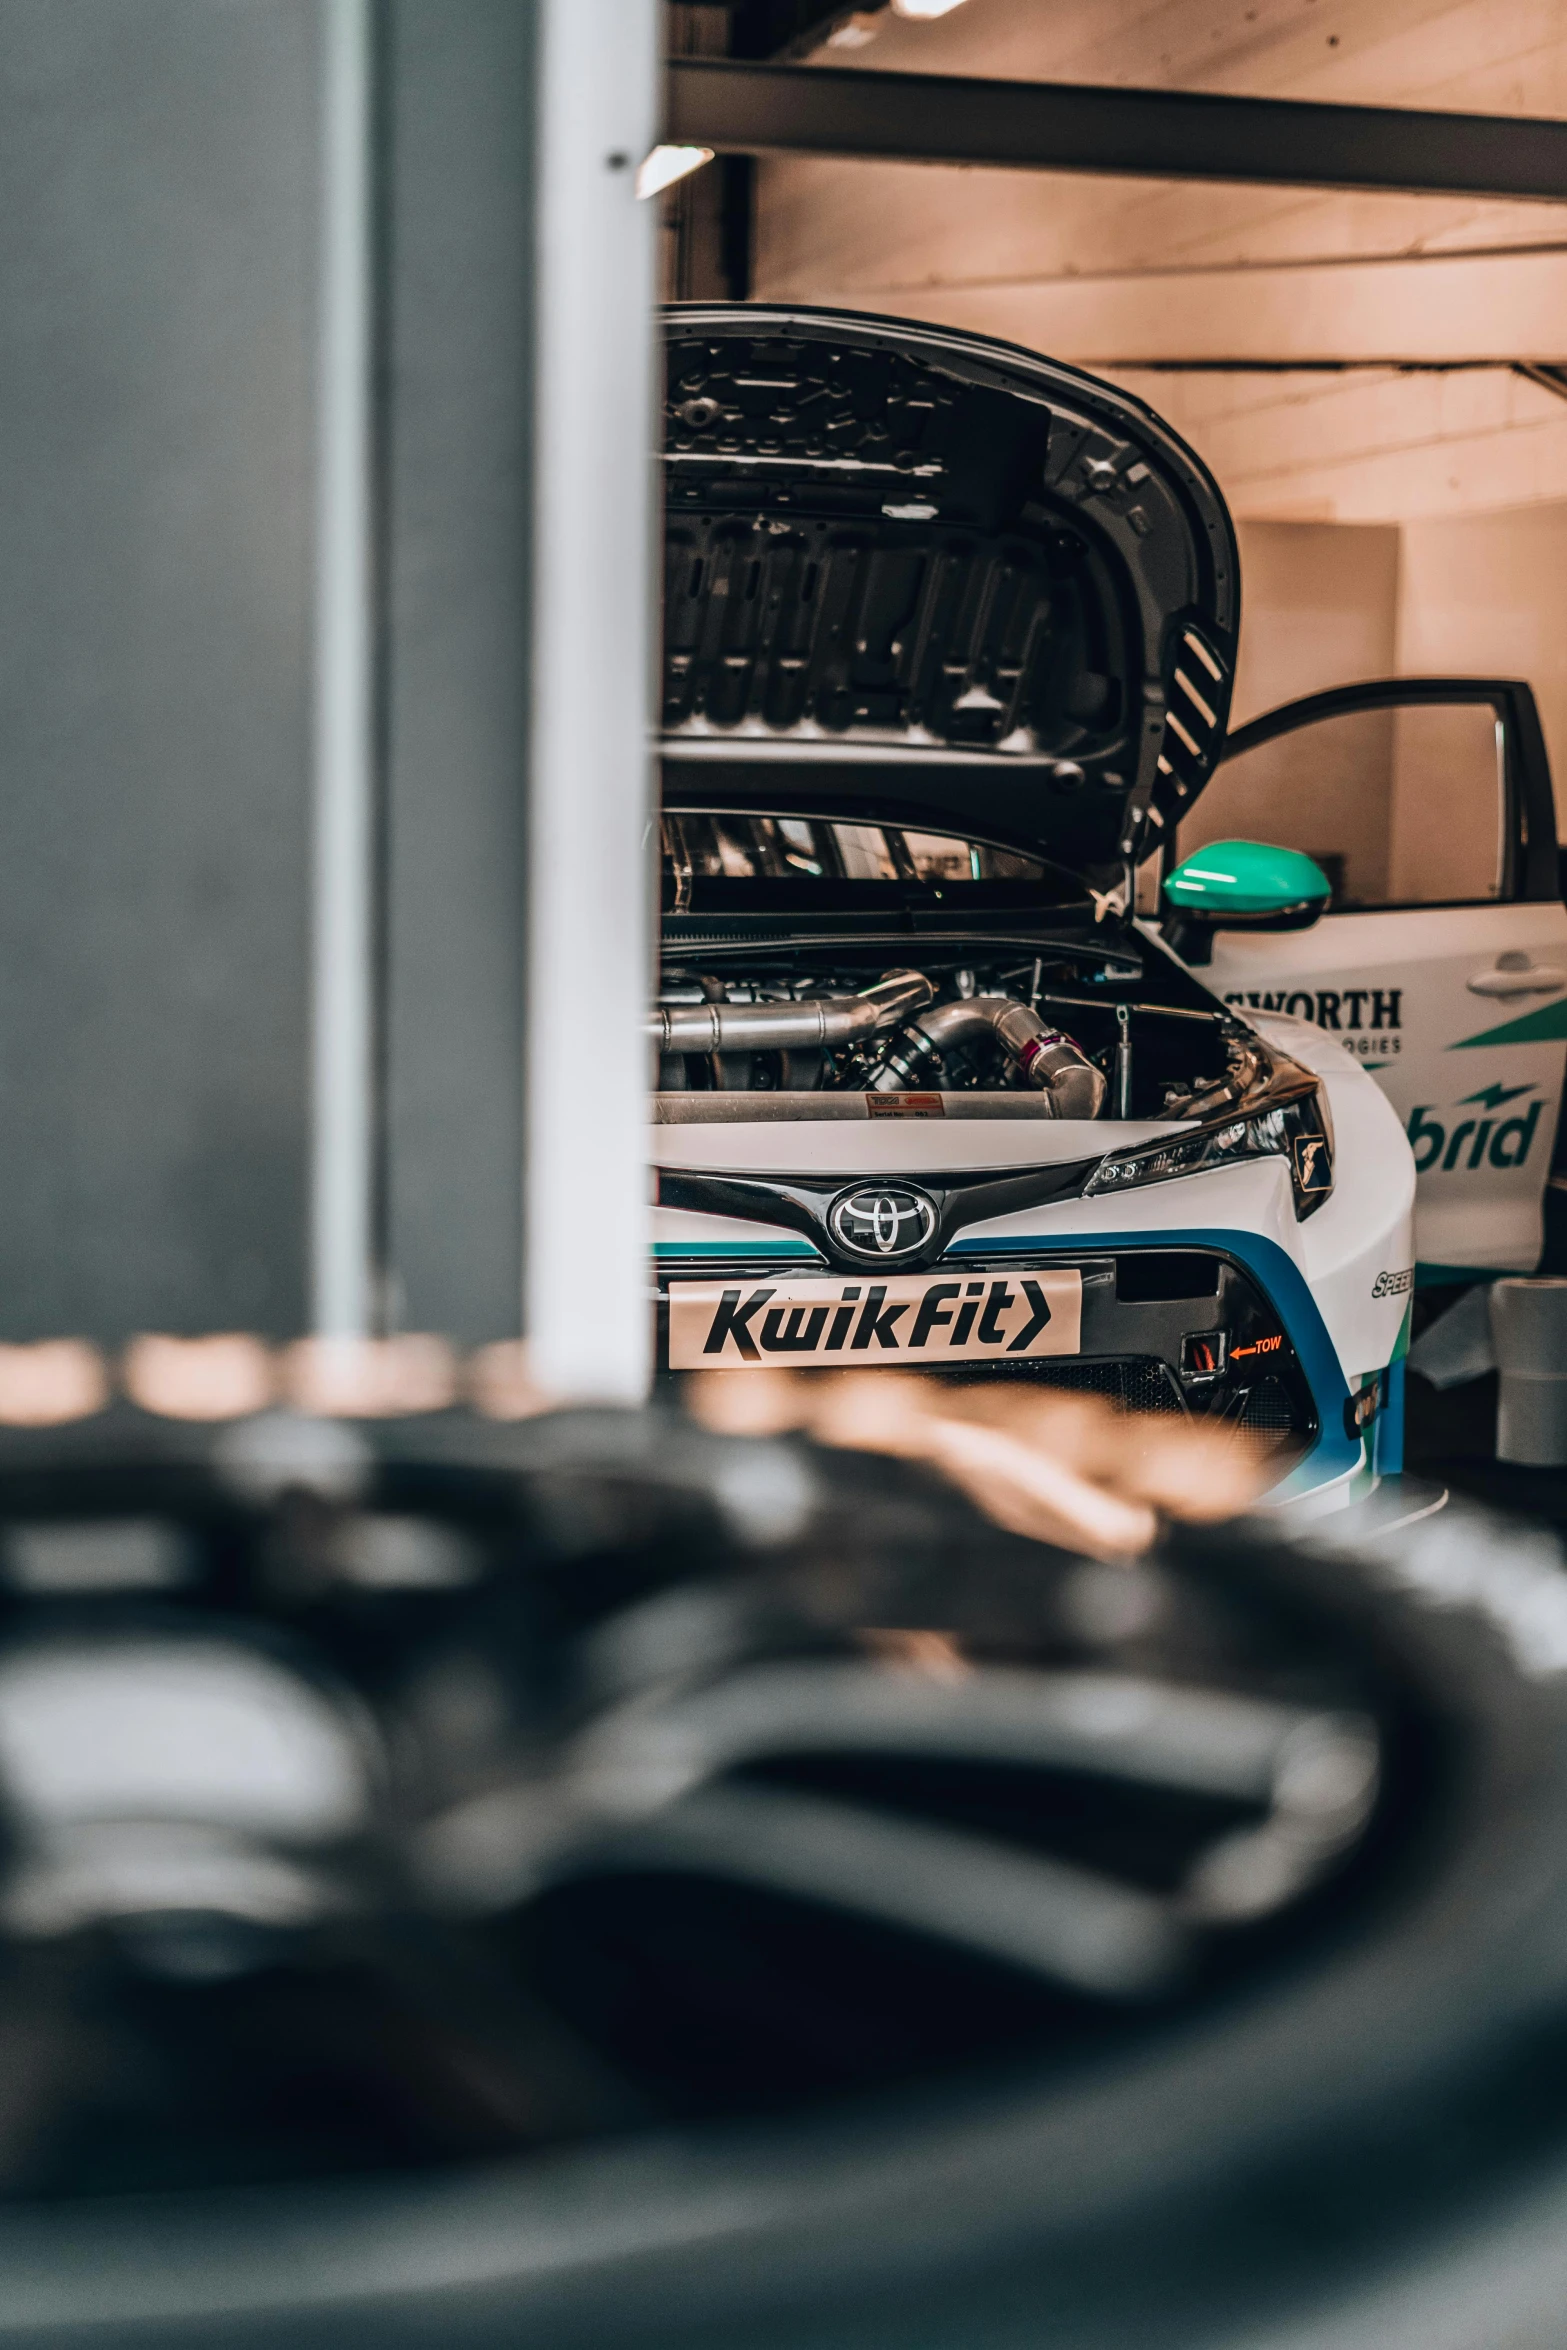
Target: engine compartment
[[992, 1031]]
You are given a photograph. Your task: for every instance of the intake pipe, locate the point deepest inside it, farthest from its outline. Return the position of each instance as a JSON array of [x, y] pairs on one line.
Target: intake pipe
[[820, 1023], [1042, 1056]]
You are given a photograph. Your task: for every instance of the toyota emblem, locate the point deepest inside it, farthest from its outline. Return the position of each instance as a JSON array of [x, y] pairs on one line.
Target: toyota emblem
[[882, 1221]]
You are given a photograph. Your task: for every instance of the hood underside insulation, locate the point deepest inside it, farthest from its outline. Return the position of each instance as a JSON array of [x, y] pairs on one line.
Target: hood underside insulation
[[914, 564]]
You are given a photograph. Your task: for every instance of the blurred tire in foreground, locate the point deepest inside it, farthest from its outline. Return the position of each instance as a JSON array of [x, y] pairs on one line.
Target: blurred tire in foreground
[[600, 1882]]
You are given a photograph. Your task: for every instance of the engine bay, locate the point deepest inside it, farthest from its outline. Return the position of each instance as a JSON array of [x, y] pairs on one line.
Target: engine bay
[[847, 1031]]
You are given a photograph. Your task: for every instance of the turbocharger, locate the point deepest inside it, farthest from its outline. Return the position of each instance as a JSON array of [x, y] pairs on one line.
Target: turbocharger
[[1041, 1056]]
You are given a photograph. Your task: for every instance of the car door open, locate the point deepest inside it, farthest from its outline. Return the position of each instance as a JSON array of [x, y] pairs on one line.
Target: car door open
[[1441, 961]]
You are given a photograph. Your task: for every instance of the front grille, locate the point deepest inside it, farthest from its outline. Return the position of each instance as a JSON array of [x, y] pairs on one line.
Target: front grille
[[1263, 1416], [1135, 1383]]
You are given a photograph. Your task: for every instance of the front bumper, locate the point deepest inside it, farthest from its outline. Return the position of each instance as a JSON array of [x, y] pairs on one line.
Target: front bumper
[[1188, 1331]]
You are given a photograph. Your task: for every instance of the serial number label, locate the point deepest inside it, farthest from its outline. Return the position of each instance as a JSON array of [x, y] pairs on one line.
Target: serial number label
[[909, 1318]]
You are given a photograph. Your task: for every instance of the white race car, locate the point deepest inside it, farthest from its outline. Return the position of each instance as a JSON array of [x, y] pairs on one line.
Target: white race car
[[949, 636]]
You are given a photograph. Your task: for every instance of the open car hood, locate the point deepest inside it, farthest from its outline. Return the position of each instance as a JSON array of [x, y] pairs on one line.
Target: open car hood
[[922, 575]]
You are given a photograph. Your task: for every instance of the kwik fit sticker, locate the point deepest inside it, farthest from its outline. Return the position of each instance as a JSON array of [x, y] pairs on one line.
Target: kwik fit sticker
[[907, 1318]]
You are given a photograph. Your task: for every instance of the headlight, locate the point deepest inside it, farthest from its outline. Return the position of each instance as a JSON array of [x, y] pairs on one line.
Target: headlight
[[1300, 1132]]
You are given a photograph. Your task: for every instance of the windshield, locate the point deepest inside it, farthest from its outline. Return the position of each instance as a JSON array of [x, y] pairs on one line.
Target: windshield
[[704, 847]]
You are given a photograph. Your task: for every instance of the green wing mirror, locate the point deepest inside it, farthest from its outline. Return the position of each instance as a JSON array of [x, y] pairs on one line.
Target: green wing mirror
[[1241, 885]]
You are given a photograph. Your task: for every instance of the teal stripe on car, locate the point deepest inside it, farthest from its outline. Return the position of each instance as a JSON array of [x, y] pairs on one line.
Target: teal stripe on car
[[738, 1248]]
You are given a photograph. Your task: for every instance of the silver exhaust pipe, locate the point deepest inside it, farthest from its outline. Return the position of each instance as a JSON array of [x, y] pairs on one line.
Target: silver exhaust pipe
[[821, 1023]]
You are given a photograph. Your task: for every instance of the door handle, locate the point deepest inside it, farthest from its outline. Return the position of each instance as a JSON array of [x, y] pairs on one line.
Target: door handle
[[1516, 975]]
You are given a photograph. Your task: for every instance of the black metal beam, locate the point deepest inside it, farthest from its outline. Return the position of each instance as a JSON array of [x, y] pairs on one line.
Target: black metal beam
[[785, 28], [737, 225], [1549, 376], [1146, 134]]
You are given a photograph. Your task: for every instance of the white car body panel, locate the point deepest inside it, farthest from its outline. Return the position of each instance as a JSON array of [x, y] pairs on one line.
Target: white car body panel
[[896, 1146], [1408, 974]]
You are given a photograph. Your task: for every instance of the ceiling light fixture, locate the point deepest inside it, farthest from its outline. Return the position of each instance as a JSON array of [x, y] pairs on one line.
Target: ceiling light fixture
[[923, 11], [662, 166]]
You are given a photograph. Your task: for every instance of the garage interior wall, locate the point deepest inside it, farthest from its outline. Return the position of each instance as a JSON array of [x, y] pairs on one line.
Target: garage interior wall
[[269, 447], [1350, 365], [1486, 592], [157, 250], [160, 313], [1320, 603], [457, 612], [1329, 603]]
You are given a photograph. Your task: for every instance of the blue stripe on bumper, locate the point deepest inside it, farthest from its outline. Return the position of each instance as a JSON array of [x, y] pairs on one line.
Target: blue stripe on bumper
[[1282, 1280]]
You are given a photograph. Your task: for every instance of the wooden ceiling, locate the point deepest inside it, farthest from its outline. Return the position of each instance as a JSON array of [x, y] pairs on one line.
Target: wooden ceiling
[[1237, 301]]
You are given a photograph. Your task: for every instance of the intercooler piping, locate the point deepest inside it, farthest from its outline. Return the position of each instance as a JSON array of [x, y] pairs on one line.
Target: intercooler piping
[[1043, 1057], [820, 1023]]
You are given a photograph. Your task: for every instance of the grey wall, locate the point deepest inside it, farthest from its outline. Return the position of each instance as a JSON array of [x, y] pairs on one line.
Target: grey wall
[[159, 178], [460, 251], [157, 164]]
